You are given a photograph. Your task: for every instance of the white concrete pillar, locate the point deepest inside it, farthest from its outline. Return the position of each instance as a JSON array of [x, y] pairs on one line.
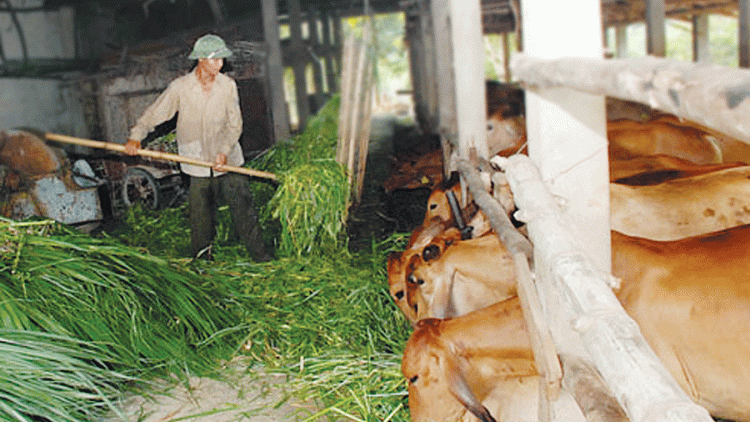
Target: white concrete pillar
[[567, 129]]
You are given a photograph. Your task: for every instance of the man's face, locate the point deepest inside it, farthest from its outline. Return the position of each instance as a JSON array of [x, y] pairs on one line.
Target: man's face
[[211, 66]]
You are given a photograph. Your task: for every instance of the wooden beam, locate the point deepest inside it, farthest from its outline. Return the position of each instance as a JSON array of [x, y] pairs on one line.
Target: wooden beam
[[275, 70], [717, 97], [580, 292]]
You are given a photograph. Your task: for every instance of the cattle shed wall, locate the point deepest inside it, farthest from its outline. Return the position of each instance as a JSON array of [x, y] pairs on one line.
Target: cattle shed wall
[[52, 36], [49, 105]]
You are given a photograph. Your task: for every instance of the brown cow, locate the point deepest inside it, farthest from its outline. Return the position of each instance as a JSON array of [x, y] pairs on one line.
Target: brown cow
[[463, 277], [683, 207], [438, 233], [731, 149], [691, 299], [448, 380], [480, 367], [630, 139], [655, 169], [416, 171]]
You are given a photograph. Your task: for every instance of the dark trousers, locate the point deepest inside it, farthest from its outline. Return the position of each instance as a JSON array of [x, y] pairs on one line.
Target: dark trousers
[[204, 197]]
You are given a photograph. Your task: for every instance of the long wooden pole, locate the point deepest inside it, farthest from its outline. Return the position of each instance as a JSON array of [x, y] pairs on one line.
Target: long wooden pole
[[154, 154]]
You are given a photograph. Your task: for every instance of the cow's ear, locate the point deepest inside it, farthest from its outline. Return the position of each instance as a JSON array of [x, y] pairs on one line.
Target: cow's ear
[[460, 389], [430, 252]]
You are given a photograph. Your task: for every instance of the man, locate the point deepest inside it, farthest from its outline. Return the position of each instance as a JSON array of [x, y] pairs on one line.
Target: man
[[209, 125]]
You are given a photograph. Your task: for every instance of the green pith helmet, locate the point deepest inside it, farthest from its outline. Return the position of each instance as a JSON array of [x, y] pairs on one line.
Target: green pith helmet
[[210, 47]]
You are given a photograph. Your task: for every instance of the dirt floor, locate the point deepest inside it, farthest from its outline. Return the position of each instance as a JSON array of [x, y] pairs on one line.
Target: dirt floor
[[251, 395], [242, 395]]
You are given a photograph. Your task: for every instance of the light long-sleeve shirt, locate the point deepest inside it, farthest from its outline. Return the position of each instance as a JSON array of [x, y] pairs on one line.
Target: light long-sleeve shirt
[[208, 124]]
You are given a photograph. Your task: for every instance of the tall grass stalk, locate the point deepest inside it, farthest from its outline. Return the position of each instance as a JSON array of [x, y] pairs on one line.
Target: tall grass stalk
[[142, 309], [55, 378]]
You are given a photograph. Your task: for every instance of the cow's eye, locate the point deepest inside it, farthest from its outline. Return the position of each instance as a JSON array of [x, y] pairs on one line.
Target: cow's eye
[[413, 379], [399, 294], [433, 206], [411, 279]]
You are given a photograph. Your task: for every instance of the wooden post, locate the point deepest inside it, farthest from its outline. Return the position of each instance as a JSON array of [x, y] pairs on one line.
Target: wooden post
[[355, 110], [656, 44], [327, 41], [621, 41], [580, 294], [275, 70], [299, 63], [506, 58], [701, 46], [743, 36], [312, 21]]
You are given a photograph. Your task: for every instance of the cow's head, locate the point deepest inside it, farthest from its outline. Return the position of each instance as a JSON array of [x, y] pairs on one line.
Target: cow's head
[[505, 135], [437, 388], [415, 171], [397, 285]]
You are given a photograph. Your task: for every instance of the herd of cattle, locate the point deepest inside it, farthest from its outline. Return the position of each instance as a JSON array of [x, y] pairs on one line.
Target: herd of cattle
[[680, 219]]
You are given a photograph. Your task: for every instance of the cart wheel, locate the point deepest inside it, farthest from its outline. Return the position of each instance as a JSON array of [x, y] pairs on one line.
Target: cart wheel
[[140, 187]]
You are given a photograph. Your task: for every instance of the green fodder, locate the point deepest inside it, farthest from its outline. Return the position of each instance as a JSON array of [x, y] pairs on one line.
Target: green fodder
[[330, 324], [55, 378], [311, 205], [146, 312], [164, 232], [311, 201]]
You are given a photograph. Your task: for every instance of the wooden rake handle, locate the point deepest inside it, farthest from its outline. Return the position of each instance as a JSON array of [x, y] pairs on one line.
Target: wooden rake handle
[[154, 154]]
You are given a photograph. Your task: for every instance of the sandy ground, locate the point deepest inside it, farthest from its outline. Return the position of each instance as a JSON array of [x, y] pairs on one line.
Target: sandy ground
[[242, 395]]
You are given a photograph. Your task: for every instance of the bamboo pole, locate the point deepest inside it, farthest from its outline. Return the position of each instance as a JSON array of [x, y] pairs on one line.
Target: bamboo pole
[[154, 154]]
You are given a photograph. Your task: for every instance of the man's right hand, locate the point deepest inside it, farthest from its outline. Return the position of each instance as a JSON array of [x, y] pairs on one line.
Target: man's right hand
[[132, 146]]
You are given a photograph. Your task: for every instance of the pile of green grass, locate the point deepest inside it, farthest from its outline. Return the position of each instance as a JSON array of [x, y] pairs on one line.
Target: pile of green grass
[[142, 314], [118, 310], [311, 202]]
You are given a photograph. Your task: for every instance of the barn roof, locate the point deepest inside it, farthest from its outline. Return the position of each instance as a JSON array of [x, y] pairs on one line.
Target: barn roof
[[497, 14]]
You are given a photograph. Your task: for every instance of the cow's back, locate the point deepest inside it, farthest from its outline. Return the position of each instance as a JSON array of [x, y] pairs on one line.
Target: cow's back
[[683, 207], [691, 300]]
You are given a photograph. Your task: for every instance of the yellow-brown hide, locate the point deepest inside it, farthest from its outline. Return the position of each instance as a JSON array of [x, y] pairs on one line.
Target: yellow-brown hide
[[682, 207], [453, 365], [691, 299], [655, 169], [630, 139], [466, 276]]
